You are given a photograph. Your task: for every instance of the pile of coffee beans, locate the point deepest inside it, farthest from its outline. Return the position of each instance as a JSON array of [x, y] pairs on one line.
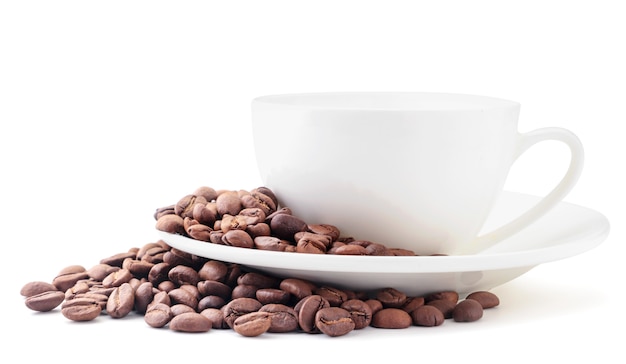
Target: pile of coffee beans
[[254, 219], [187, 293], [179, 291]]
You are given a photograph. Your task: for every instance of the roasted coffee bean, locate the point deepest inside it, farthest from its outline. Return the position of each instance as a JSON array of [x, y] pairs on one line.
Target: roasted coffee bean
[[412, 303], [237, 238], [297, 287], [349, 249], [325, 229], [391, 318], [158, 315], [311, 243], [427, 315], [210, 302], [80, 309], [272, 295], [252, 215], [182, 275], [117, 278], [99, 271], [208, 193], [468, 310], [68, 276], [80, 287], [117, 259], [213, 270], [230, 222], [171, 223], [199, 232], [138, 268], [161, 211], [360, 312], [214, 288], [190, 322], [286, 226], [443, 295], [176, 257], [334, 321], [121, 301], [205, 214], [485, 298], [216, 316], [180, 308], [307, 309], [253, 324], [144, 294], [258, 280], [273, 243], [36, 287], [228, 203], [257, 230], [391, 297], [283, 317], [334, 296], [45, 301], [260, 201], [244, 290], [159, 273], [239, 307], [183, 296], [444, 305], [375, 305]]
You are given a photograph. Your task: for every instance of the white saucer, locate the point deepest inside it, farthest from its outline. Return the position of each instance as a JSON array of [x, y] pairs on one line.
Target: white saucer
[[565, 231]]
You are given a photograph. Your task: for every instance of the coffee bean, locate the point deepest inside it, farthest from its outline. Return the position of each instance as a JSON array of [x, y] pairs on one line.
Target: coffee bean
[[45, 301], [307, 309], [334, 296], [81, 309], [391, 318], [391, 297], [228, 203], [445, 306], [143, 296], [214, 288], [297, 287], [238, 238], [36, 287], [334, 321], [253, 324], [286, 226], [239, 307], [360, 312], [443, 295], [283, 317], [190, 322], [213, 270], [121, 301], [216, 316], [158, 315], [412, 303], [272, 295], [468, 310], [427, 315], [486, 299], [182, 275]]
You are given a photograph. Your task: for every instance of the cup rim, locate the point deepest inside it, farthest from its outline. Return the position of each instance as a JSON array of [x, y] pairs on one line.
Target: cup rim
[[384, 101]]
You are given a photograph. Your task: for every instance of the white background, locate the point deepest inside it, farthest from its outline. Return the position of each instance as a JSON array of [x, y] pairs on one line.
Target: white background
[[109, 110]]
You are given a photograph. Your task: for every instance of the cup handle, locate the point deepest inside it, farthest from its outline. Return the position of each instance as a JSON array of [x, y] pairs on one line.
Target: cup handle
[[551, 199]]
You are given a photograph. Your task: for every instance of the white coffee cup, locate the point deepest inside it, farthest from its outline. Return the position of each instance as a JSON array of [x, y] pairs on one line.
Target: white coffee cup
[[419, 171]]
